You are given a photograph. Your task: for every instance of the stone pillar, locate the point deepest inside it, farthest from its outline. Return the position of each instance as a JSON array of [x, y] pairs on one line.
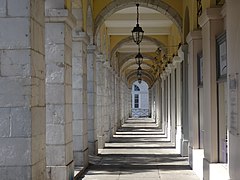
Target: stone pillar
[[91, 96], [194, 40], [212, 24], [58, 48], [164, 102], [173, 103], [177, 61], [79, 101], [233, 44], [183, 53], [22, 90], [150, 102], [99, 92]]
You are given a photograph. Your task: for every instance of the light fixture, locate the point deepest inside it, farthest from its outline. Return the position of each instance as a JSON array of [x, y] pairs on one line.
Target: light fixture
[[139, 71], [139, 57], [137, 32], [139, 80]]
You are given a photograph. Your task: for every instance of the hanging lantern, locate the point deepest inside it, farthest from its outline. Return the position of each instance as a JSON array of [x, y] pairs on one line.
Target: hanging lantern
[[137, 32]]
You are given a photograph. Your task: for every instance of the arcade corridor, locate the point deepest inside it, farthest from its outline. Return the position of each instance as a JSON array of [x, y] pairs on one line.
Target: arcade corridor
[[75, 73], [139, 150]]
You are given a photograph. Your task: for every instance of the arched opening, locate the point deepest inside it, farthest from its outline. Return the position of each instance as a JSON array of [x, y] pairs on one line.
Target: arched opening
[[159, 6], [140, 99]]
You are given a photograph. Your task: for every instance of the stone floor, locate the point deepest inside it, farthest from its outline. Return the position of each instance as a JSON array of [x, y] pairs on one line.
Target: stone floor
[[139, 151]]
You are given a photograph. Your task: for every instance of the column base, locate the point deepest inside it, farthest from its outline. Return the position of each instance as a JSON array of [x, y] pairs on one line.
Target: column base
[[101, 142], [93, 147], [184, 147], [196, 161], [81, 158], [178, 139], [215, 171], [60, 172]]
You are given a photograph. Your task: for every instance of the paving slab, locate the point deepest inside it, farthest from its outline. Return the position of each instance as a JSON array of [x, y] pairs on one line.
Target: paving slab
[[137, 152]]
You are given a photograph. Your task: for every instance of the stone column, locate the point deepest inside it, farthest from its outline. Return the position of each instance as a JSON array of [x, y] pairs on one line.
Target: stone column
[[194, 40], [233, 44], [58, 48], [173, 102], [22, 90], [91, 96], [185, 133], [164, 102], [168, 103], [212, 24], [79, 101], [177, 61], [99, 92]]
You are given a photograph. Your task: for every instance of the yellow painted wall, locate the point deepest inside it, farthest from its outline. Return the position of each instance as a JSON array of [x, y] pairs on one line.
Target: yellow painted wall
[[173, 40], [115, 39], [68, 4]]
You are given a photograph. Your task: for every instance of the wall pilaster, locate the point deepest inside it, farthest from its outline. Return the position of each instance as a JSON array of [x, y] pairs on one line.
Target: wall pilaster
[[79, 90], [58, 48], [212, 24]]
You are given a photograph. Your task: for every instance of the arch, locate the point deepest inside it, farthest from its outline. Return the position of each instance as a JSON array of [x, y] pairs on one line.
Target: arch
[[131, 56], [123, 69], [186, 29], [144, 74], [147, 38], [159, 6]]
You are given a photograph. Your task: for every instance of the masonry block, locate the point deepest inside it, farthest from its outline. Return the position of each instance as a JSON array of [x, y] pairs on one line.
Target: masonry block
[[77, 82], [55, 134], [14, 38], [3, 9], [77, 49], [55, 114], [55, 53], [55, 73], [15, 62], [54, 33], [4, 122], [69, 153], [21, 122], [77, 112], [68, 133], [15, 151], [18, 8], [55, 155], [79, 127], [55, 94], [10, 173], [15, 92]]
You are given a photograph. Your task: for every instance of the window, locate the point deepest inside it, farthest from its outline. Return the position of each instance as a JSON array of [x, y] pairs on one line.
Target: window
[[136, 88], [136, 101]]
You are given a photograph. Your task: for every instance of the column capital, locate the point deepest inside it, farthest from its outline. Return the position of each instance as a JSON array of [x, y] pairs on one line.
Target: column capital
[[81, 36], [99, 57], [181, 51], [209, 14], [60, 16], [91, 48], [194, 35]]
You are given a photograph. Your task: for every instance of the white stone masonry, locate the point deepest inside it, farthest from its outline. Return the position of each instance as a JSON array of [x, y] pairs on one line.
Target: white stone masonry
[[22, 90], [79, 90], [59, 138]]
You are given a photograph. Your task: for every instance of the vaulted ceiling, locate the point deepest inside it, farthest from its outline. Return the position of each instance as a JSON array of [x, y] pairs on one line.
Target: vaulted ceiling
[[154, 25]]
